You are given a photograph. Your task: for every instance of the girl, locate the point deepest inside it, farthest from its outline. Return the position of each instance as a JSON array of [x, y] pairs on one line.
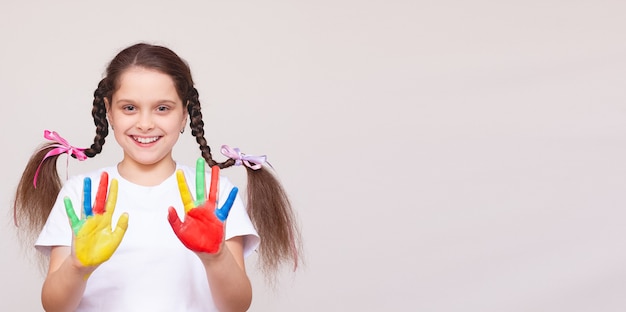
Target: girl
[[144, 262]]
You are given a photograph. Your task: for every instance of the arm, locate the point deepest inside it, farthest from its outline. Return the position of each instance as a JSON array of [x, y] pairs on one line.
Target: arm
[[93, 243], [203, 232], [65, 282], [227, 276]]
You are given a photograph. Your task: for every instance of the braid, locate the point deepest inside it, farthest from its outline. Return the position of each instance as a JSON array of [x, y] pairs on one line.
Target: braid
[[99, 114], [32, 205], [268, 205], [197, 130]]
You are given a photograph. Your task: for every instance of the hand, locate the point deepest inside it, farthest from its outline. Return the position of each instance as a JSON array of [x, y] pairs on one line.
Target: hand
[[203, 228], [94, 242]]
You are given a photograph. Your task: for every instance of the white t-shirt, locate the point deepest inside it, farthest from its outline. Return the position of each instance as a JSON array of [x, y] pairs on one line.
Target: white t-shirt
[[151, 270]]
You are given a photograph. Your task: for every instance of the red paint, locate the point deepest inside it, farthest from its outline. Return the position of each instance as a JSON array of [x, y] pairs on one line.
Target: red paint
[[201, 231]]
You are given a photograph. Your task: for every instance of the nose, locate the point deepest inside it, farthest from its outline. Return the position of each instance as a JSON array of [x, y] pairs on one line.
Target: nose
[[145, 121]]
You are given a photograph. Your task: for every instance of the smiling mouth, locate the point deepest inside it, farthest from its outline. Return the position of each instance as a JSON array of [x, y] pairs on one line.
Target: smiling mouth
[[145, 140]]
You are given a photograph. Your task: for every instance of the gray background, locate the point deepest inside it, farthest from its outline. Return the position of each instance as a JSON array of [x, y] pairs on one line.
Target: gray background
[[441, 155]]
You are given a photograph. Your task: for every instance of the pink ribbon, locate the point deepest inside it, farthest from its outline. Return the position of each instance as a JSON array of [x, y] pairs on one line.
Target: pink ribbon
[[61, 147], [251, 161]]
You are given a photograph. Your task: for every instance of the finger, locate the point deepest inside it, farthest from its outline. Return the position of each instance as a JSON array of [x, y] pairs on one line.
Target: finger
[[71, 215], [222, 213], [111, 199], [120, 228], [184, 191], [101, 195], [215, 176], [87, 197], [200, 182], [174, 220]]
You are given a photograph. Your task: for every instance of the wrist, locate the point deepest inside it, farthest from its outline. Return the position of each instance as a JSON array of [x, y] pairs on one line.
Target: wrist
[[79, 268], [208, 258]]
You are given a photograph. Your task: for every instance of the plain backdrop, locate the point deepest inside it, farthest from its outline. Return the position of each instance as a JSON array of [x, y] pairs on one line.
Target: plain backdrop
[[441, 155]]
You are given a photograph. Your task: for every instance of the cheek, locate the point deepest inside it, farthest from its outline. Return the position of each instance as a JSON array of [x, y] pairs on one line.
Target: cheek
[[169, 123], [181, 121], [117, 120]]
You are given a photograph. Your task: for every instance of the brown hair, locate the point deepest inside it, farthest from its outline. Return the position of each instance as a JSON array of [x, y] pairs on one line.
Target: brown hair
[[267, 203]]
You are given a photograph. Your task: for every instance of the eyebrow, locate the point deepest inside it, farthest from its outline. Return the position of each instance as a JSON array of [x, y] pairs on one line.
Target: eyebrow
[[158, 101]]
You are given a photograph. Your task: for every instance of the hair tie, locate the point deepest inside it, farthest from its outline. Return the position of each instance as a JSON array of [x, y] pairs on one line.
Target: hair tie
[[251, 161], [61, 147]]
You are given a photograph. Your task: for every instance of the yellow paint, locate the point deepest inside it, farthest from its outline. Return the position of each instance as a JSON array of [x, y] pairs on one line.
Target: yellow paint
[[96, 242]]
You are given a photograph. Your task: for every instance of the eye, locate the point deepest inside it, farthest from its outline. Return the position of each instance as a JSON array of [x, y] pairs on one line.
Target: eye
[[128, 108], [163, 108]]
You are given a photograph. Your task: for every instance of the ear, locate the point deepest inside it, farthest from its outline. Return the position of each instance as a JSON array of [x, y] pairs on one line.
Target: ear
[[108, 108], [185, 115]]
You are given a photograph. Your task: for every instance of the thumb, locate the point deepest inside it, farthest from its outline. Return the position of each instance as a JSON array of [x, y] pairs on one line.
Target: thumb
[[120, 228], [174, 220], [222, 213]]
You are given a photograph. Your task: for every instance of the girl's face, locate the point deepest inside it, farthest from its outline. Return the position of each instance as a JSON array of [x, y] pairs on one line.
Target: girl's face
[[147, 116]]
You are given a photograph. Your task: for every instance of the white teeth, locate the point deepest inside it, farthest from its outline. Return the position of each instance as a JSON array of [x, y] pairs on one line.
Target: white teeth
[[146, 140]]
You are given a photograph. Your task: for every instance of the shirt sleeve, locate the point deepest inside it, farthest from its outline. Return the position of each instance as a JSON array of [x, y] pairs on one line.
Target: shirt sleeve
[[57, 231], [238, 222]]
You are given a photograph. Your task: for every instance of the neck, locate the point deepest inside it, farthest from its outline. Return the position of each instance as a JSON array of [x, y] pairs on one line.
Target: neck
[[146, 174]]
